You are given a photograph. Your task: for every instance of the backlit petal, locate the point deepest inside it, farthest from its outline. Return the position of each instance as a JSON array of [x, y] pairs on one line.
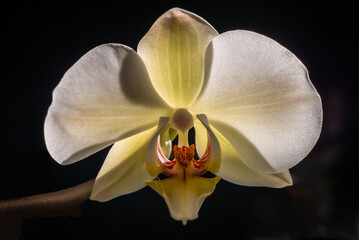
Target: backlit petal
[[124, 170], [173, 51], [259, 96], [104, 97], [184, 198]]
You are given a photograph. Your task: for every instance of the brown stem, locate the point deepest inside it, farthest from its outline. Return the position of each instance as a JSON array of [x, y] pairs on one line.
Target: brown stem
[[62, 203]]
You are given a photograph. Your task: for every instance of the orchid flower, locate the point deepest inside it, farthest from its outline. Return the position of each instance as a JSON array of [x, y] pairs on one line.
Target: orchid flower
[[250, 101]]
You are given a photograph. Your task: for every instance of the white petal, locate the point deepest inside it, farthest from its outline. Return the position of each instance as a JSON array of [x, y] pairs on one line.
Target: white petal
[[259, 96], [124, 170], [104, 97], [173, 51]]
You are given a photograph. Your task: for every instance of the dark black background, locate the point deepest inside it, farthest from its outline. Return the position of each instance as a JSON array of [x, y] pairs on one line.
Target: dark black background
[[39, 45]]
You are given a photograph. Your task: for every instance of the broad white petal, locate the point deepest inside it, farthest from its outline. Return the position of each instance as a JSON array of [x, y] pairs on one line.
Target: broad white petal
[[259, 96], [173, 51], [104, 97], [124, 170]]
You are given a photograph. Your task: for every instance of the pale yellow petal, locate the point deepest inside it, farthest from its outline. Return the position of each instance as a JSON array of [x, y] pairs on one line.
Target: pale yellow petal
[[173, 51], [184, 198], [124, 170]]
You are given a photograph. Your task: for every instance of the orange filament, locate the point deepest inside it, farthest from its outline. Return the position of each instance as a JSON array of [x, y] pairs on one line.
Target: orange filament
[[184, 155]]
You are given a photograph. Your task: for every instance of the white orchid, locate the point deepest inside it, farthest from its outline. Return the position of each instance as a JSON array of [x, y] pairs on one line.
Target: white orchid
[[254, 110]]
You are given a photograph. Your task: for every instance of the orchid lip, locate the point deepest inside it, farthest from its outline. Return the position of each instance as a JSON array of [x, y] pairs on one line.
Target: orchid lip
[[184, 190]]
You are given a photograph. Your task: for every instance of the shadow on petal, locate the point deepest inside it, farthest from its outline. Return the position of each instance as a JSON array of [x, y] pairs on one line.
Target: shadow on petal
[[207, 67], [135, 82]]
